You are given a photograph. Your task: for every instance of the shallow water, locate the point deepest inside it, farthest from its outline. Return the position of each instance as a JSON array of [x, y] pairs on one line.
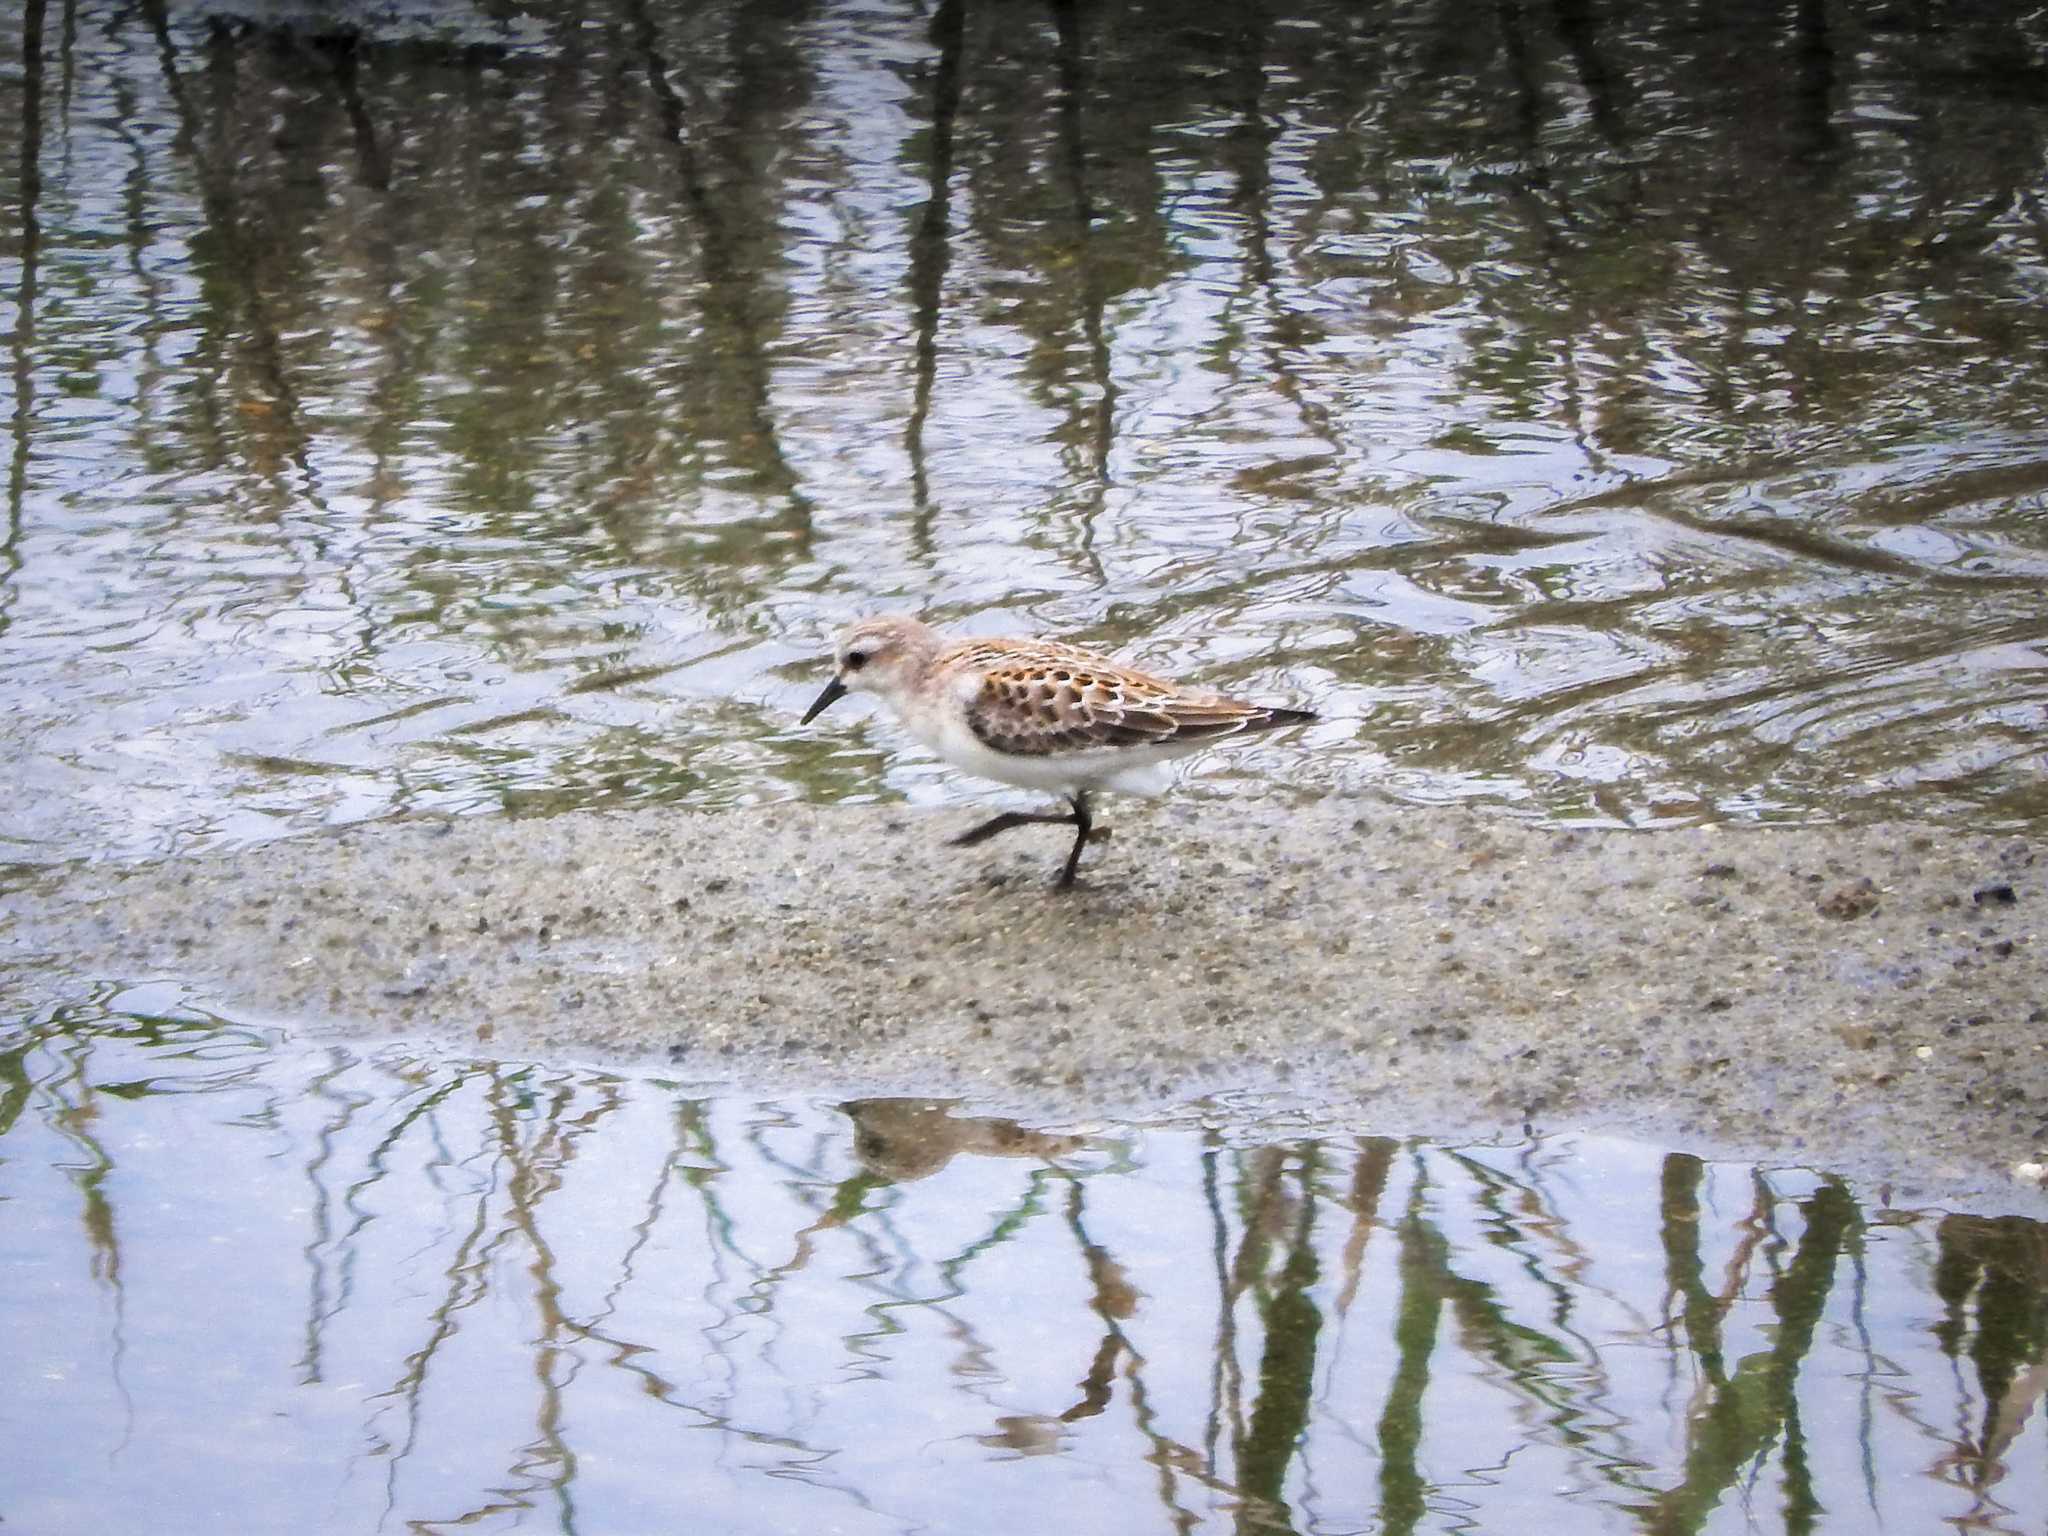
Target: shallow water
[[264, 1286], [1626, 414], [1632, 414]]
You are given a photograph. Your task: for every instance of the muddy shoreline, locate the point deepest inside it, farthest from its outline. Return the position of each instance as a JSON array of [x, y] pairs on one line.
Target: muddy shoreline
[[1868, 999]]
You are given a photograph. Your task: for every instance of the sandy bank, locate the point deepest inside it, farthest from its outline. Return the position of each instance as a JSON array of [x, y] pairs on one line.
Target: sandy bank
[[1870, 998]]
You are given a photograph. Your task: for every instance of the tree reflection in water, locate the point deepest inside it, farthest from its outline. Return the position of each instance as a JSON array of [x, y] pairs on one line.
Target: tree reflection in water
[[1630, 411], [261, 1284]]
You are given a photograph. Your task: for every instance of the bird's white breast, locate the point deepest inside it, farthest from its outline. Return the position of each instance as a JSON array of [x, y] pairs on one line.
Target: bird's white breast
[[938, 719]]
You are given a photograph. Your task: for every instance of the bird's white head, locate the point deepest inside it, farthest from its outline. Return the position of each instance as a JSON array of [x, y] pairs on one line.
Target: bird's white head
[[886, 655]]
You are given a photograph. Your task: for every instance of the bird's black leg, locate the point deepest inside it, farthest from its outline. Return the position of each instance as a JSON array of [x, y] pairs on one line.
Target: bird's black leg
[[1079, 819], [1003, 823], [1084, 828]]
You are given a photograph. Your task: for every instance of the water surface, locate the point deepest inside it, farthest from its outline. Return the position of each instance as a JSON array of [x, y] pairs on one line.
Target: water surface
[[264, 1286], [1630, 414], [1615, 413]]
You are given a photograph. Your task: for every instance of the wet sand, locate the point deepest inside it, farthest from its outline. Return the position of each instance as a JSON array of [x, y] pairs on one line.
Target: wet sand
[[1868, 999]]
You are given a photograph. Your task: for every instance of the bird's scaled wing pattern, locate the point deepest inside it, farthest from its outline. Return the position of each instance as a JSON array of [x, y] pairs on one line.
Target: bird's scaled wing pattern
[[1041, 698]]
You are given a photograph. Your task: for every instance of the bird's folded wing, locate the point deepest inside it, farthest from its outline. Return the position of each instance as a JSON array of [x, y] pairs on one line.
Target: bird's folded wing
[[1037, 708]]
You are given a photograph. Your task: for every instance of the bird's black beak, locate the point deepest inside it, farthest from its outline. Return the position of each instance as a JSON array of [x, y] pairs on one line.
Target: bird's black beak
[[834, 692]]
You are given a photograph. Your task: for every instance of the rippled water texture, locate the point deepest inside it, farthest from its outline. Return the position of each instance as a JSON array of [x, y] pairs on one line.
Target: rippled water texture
[[1621, 412], [1612, 412], [435, 1294]]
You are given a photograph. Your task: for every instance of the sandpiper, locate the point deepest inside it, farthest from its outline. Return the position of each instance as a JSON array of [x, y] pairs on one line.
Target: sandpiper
[[1038, 714]]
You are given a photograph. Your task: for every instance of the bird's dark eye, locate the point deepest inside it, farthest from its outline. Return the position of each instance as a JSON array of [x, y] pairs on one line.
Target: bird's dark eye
[[855, 660]]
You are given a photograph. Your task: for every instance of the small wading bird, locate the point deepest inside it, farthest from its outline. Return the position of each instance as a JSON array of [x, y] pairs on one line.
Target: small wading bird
[[1037, 714]]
